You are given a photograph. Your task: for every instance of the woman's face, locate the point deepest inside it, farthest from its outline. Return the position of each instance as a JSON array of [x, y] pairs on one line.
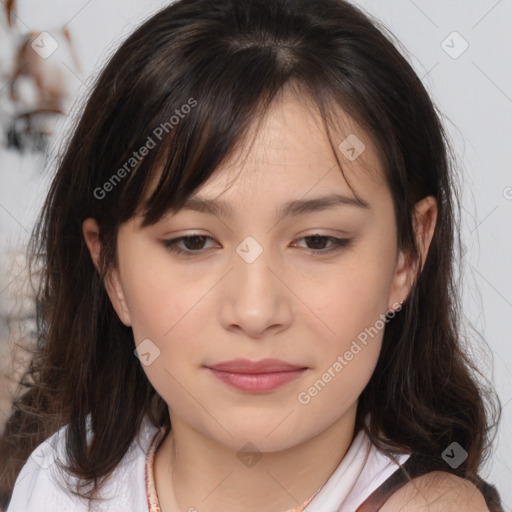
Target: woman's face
[[253, 285]]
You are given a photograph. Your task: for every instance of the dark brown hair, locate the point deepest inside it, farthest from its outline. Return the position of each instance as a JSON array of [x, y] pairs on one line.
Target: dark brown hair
[[233, 57]]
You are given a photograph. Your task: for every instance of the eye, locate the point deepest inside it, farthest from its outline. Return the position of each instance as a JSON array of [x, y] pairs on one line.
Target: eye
[[195, 244], [320, 240]]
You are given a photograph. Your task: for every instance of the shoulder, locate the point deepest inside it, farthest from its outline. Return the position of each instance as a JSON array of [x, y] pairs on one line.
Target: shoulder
[[38, 483], [45, 486], [437, 491]]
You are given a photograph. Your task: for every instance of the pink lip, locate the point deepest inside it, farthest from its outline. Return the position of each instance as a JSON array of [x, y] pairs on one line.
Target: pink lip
[[264, 375]]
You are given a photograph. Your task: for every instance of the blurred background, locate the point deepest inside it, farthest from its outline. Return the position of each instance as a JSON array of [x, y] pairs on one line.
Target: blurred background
[[50, 51]]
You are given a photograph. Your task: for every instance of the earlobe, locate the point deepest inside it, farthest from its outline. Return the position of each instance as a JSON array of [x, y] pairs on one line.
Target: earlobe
[[117, 297], [112, 281], [402, 281]]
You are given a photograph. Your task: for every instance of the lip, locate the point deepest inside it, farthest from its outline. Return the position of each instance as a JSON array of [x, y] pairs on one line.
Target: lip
[[256, 376], [250, 367]]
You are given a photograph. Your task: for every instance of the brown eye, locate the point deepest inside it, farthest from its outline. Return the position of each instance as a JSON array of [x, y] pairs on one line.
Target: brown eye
[[317, 243], [192, 244]]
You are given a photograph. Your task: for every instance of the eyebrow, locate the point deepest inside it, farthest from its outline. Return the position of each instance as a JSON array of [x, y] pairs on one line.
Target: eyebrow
[[292, 208]]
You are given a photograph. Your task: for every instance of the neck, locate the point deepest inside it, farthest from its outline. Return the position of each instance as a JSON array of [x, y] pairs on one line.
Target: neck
[[194, 472]]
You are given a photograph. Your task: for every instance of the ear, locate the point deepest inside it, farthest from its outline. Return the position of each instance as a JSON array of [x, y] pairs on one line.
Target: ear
[[424, 222], [112, 280], [425, 218]]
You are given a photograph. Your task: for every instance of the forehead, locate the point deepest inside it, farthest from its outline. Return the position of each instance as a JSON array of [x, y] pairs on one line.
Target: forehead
[[290, 152], [289, 157]]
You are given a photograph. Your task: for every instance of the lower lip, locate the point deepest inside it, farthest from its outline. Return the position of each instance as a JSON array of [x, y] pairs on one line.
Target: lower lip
[[257, 382]]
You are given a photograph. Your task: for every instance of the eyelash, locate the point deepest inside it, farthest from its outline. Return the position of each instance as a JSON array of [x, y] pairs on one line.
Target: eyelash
[[338, 244]]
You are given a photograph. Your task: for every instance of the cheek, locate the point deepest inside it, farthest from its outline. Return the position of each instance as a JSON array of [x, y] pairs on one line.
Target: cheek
[[348, 343], [165, 308], [351, 304], [170, 307], [157, 293], [352, 297]]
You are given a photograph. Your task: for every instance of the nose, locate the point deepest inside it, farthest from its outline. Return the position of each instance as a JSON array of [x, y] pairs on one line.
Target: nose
[[256, 300]]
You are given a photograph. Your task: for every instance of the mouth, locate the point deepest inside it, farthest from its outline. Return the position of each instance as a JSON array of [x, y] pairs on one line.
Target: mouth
[[256, 376]]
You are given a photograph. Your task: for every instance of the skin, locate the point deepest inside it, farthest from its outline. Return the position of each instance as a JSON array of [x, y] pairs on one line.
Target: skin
[[437, 492], [289, 303]]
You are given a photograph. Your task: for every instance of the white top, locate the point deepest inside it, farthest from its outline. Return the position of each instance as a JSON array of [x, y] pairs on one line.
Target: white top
[[40, 485]]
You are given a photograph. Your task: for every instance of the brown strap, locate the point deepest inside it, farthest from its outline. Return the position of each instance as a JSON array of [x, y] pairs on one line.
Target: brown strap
[[418, 465]]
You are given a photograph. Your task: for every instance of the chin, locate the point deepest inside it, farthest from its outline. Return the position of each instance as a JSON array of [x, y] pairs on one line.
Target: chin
[[266, 436]]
